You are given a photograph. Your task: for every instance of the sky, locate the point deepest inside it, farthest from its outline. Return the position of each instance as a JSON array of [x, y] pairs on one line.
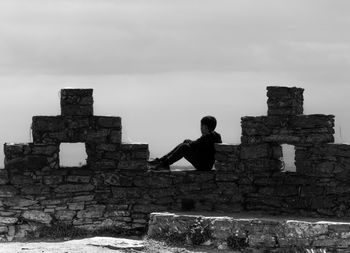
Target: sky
[[162, 65]]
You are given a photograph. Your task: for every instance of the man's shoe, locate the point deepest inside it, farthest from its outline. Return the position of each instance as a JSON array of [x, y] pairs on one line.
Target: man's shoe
[[161, 166], [154, 162]]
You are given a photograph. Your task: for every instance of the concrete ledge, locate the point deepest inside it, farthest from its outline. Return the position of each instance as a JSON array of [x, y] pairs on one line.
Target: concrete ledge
[[250, 230]]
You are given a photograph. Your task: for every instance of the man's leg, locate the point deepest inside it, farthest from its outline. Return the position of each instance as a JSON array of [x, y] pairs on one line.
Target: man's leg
[[181, 151], [175, 150]]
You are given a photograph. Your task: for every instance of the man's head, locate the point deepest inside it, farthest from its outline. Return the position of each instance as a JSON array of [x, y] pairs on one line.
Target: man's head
[[208, 124]]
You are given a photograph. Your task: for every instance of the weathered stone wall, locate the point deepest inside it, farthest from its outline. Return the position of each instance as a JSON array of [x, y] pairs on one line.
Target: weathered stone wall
[[35, 191], [320, 185], [115, 188]]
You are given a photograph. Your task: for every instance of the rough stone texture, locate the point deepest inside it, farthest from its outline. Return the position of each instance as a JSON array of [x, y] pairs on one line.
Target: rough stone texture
[[3, 177], [37, 216], [250, 232], [284, 100], [295, 130], [76, 102], [71, 129], [115, 188], [35, 189], [319, 187]]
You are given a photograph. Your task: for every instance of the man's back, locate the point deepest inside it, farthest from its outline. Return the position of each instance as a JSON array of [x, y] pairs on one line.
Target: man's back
[[206, 148]]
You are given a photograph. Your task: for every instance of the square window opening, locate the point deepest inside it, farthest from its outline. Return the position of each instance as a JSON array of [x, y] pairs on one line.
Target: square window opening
[[288, 158], [72, 155]]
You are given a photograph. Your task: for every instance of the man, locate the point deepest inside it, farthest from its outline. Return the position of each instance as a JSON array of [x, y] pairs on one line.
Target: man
[[200, 153]]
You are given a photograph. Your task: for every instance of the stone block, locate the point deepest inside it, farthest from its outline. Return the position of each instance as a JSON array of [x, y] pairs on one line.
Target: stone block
[[77, 110], [128, 193], [264, 150], [19, 180], [53, 202], [52, 179], [19, 202], [133, 165], [37, 216], [262, 240], [226, 166], [7, 191], [77, 96], [65, 215], [294, 130], [71, 129], [227, 148], [149, 208], [76, 102], [225, 153], [43, 149], [116, 136], [47, 124], [97, 136], [83, 198], [68, 188], [14, 150], [102, 165], [91, 212], [324, 161], [8, 221], [3, 229], [76, 206], [3, 177], [35, 190], [109, 122], [285, 100], [106, 147], [258, 166], [134, 151], [78, 179]]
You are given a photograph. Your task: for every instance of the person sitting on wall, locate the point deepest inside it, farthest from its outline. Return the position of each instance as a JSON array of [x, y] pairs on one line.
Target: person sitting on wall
[[200, 153]]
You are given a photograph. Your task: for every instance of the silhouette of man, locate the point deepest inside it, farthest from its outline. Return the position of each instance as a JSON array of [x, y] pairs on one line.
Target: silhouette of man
[[200, 153]]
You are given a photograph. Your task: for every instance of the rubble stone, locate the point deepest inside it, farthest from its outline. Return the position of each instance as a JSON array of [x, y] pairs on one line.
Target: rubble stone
[[37, 216]]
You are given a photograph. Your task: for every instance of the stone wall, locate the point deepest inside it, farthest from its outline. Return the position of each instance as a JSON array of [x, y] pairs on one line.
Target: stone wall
[[35, 191], [113, 190], [116, 190], [320, 185]]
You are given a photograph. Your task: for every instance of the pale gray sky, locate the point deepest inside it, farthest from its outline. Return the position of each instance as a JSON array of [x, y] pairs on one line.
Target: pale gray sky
[[156, 63]]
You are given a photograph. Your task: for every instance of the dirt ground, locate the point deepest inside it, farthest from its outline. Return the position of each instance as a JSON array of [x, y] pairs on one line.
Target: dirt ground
[[99, 245]]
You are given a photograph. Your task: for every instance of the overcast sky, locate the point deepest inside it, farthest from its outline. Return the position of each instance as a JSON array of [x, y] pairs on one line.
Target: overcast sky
[[162, 64]]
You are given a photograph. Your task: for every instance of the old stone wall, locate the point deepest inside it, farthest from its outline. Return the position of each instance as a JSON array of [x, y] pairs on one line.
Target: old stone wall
[[115, 188], [320, 185]]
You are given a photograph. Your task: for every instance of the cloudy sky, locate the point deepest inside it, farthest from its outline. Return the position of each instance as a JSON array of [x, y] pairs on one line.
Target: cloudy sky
[[163, 64]]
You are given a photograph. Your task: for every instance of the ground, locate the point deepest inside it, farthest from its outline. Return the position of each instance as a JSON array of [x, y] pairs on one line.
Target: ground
[[99, 245]]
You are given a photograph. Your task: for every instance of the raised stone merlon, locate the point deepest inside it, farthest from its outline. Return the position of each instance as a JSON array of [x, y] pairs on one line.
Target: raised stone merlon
[[102, 136], [76, 102], [285, 123], [285, 100]]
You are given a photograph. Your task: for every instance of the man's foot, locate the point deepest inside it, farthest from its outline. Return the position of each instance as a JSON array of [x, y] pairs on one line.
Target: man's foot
[[154, 162], [158, 165]]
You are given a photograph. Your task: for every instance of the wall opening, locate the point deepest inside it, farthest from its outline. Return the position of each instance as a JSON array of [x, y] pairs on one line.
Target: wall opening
[[72, 154], [288, 158]]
